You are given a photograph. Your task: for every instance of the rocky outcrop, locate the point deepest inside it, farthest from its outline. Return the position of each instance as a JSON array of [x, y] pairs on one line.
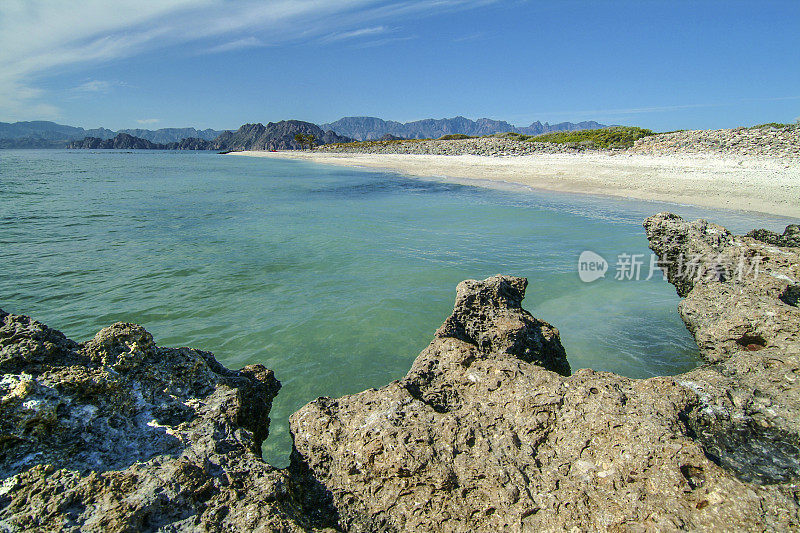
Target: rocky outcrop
[[488, 430], [740, 303], [117, 434], [274, 136], [481, 435], [122, 141], [790, 236]]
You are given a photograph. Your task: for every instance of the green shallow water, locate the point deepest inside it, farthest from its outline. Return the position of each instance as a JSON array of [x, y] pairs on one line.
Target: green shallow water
[[335, 278]]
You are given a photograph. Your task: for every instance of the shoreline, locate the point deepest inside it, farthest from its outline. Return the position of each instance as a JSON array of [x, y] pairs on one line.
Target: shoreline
[[763, 185]]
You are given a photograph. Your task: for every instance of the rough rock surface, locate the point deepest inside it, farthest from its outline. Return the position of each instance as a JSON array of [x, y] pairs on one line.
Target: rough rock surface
[[479, 437], [790, 236], [488, 431], [117, 434], [741, 306]]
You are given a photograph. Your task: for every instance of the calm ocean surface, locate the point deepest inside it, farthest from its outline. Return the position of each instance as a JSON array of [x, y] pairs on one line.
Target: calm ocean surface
[[334, 278]]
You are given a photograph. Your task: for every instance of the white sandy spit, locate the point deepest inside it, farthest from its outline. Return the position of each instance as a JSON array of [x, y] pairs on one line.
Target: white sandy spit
[[765, 185]]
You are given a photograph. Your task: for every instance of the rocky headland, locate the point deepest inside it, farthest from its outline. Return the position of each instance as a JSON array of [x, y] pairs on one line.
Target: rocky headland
[[489, 430], [273, 136]]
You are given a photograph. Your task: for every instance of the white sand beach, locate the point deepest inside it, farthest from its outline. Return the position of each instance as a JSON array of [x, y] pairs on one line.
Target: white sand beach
[[765, 185]]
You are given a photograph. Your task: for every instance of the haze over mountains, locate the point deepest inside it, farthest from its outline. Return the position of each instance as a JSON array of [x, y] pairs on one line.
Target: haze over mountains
[[44, 134]]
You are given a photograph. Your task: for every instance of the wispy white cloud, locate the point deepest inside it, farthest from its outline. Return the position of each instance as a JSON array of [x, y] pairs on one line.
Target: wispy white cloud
[[96, 86], [238, 44], [93, 86], [382, 42], [471, 37], [41, 38], [354, 34], [148, 120]]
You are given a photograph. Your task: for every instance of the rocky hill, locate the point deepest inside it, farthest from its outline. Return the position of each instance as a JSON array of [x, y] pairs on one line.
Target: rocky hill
[[488, 431], [121, 141], [273, 136], [371, 128]]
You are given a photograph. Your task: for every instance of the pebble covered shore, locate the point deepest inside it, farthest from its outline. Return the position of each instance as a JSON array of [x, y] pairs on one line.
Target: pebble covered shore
[[487, 146], [782, 143]]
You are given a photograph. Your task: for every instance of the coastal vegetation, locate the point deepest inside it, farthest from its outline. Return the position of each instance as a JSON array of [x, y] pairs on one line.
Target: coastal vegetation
[[305, 140], [454, 137], [613, 137], [775, 126]]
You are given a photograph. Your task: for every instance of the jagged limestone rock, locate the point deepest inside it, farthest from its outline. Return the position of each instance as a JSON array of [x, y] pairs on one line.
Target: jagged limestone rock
[[477, 438], [117, 434]]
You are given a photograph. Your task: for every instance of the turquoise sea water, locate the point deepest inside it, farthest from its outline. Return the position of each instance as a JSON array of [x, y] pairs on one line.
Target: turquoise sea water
[[334, 278]]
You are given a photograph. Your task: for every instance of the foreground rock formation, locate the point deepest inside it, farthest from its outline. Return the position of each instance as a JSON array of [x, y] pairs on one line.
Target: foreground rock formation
[[478, 437], [116, 434], [488, 430]]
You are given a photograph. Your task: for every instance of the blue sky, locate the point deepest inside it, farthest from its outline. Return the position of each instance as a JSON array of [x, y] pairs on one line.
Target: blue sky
[[214, 63]]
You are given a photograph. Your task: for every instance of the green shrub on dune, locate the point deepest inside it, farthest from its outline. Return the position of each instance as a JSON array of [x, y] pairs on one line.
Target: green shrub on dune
[[454, 137], [613, 137], [775, 126]]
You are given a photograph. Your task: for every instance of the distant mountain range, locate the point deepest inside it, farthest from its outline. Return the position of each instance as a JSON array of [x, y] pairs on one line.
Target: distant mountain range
[[371, 128], [273, 136], [45, 134], [169, 135]]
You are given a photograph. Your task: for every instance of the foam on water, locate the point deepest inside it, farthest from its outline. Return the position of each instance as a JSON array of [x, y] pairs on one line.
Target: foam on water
[[335, 278]]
